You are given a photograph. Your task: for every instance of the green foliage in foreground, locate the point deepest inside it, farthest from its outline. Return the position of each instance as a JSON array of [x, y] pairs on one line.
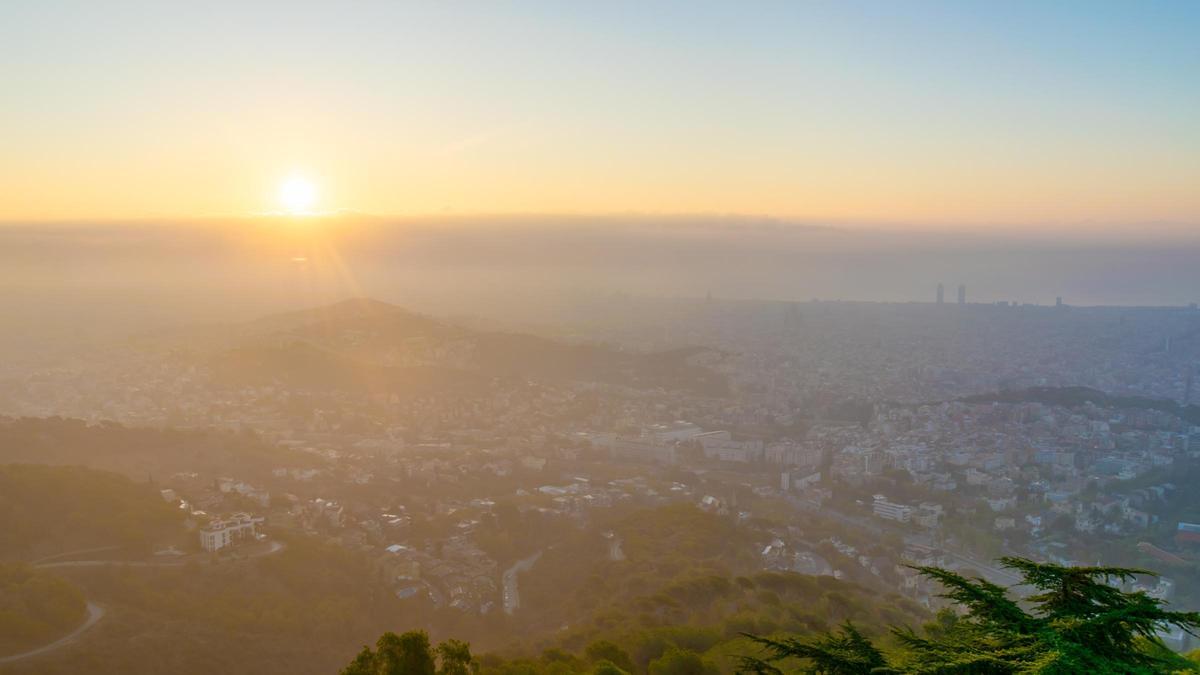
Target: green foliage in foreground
[[411, 654], [1078, 624]]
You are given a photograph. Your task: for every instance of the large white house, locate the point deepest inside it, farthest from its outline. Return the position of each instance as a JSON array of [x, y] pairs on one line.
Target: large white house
[[227, 531]]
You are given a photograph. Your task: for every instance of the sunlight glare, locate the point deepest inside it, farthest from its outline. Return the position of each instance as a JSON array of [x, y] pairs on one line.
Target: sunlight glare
[[297, 195]]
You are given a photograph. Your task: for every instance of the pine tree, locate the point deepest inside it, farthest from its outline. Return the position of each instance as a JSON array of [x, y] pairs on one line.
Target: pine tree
[[1079, 623], [846, 652]]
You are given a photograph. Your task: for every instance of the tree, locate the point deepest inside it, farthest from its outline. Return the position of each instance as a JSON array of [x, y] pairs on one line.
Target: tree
[[846, 652], [1078, 623], [454, 657], [676, 661], [407, 654], [605, 650], [606, 667], [363, 664]]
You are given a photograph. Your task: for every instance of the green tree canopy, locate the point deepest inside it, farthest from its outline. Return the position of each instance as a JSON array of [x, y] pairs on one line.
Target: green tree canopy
[[409, 654], [1078, 623], [677, 661], [606, 650]]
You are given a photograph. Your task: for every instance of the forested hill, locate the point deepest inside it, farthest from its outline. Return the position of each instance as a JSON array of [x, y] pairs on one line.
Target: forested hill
[[46, 510], [139, 453], [685, 579]]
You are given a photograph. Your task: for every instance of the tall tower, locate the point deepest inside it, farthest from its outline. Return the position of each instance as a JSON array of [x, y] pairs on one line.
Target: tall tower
[[941, 293], [962, 294]]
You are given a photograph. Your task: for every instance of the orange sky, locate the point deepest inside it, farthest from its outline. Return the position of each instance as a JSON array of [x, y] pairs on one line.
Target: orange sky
[[973, 117]]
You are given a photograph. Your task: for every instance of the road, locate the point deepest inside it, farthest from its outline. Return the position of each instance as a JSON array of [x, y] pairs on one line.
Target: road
[[95, 613], [615, 552], [512, 599], [39, 561], [272, 549]]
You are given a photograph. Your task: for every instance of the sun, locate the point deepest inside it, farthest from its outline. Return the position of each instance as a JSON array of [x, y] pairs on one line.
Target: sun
[[297, 195]]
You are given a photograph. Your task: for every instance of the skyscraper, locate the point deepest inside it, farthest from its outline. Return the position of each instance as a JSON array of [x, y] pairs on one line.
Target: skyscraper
[[941, 293], [962, 294]]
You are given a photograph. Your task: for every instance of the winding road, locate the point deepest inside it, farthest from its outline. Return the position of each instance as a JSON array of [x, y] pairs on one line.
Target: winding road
[[95, 613]]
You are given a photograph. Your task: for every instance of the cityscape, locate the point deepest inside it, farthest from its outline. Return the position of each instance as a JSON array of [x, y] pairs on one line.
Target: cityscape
[[662, 338], [850, 440]]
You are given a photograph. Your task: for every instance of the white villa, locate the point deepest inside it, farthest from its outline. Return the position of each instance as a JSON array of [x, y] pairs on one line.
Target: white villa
[[228, 531]]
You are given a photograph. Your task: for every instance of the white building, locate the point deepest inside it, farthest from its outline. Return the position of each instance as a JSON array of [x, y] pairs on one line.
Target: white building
[[225, 532], [674, 431], [891, 511], [720, 445]]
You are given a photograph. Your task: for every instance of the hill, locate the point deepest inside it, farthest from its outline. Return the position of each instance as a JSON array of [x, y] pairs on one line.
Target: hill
[[300, 611], [138, 452], [45, 510], [367, 344], [305, 366], [686, 579]]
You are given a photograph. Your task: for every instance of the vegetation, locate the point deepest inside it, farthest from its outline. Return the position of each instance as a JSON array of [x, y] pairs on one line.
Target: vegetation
[[689, 580], [140, 453], [1078, 624], [685, 588], [303, 610], [661, 546], [692, 624], [411, 654], [52, 509], [35, 608]]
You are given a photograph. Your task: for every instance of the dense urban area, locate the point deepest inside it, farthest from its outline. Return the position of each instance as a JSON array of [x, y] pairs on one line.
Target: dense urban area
[[298, 484]]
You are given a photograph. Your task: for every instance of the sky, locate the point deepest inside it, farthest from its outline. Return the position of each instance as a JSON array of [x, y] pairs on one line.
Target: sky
[[1083, 116]]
